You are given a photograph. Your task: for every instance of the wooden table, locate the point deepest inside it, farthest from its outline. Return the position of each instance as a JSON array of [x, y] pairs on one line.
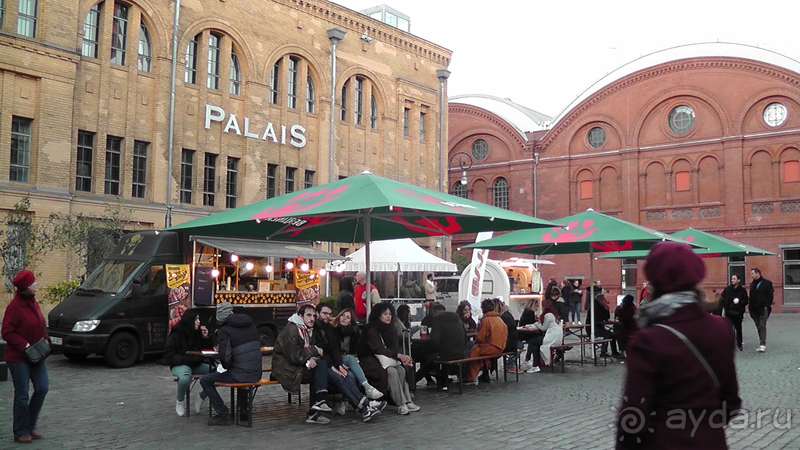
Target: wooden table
[[213, 354]]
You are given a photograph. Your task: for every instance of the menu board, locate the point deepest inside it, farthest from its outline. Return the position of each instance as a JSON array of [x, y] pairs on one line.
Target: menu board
[[307, 284], [178, 285], [203, 286]]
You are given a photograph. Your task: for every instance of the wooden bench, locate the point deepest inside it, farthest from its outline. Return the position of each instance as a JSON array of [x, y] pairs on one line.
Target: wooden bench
[[195, 379], [564, 347], [251, 389], [460, 363]]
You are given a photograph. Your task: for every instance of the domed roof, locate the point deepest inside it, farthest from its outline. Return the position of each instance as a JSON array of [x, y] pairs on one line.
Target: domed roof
[[698, 50], [523, 119]]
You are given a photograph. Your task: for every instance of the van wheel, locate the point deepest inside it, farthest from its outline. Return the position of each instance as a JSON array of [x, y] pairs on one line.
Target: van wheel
[[122, 350], [266, 336]]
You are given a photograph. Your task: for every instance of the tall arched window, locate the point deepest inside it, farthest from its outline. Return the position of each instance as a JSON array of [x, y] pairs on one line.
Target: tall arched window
[[291, 83], [310, 94], [500, 191], [119, 34], [460, 190], [236, 75], [91, 37], [214, 53], [190, 74], [145, 61], [373, 113], [343, 108]]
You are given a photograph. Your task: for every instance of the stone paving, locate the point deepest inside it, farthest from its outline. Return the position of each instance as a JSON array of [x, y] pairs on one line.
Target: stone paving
[[93, 406]]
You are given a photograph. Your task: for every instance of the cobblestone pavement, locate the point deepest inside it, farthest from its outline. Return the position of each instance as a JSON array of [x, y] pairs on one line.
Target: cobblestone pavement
[[93, 406]]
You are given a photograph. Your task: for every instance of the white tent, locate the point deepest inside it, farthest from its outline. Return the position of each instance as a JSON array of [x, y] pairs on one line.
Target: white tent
[[397, 254]]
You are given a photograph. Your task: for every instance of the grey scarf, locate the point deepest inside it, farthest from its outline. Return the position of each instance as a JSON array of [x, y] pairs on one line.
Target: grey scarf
[[663, 307]]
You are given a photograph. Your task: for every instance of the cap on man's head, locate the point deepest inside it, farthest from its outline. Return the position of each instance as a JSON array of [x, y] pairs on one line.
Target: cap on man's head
[[23, 280], [224, 310], [674, 267]]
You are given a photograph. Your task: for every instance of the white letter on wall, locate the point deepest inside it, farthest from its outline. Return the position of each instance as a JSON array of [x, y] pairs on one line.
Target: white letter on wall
[[214, 113], [297, 133], [247, 132], [232, 123], [270, 132]]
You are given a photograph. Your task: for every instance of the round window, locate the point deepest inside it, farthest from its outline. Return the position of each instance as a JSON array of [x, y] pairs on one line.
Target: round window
[[681, 119], [775, 114], [596, 137], [480, 149]]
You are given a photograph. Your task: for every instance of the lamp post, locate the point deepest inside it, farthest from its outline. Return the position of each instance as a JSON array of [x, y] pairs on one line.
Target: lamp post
[[464, 163], [443, 75], [335, 35]]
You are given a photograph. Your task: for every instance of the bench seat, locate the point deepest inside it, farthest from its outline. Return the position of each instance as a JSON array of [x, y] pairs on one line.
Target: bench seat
[[564, 347], [460, 363]]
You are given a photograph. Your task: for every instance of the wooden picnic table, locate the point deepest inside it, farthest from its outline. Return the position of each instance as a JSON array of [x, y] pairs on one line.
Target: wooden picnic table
[[213, 354]]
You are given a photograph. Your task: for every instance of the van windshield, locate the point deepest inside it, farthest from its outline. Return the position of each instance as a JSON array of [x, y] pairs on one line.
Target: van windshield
[[110, 276]]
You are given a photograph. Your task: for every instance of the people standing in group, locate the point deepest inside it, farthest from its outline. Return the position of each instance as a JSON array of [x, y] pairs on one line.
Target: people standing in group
[[464, 312], [383, 364], [561, 305], [348, 335], [680, 360], [240, 356], [625, 315], [490, 341], [550, 284], [761, 297], [187, 335], [733, 302], [552, 334], [346, 299], [23, 326], [574, 302], [360, 295], [430, 288]]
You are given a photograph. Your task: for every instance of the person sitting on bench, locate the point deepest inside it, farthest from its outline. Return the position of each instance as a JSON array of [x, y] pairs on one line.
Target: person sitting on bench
[[539, 346], [602, 314], [239, 355], [491, 340], [187, 335], [448, 342]]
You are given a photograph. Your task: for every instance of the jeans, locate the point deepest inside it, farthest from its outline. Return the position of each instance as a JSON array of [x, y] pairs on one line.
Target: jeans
[[347, 386], [25, 413], [737, 329], [575, 310], [184, 374], [760, 319], [207, 382], [352, 363], [601, 332], [534, 345], [317, 378]]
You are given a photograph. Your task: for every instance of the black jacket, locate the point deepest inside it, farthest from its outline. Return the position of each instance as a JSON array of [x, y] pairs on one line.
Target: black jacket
[[239, 348], [601, 313], [513, 334], [346, 294], [733, 310], [528, 317], [352, 344], [181, 341], [761, 293], [448, 336], [326, 338]]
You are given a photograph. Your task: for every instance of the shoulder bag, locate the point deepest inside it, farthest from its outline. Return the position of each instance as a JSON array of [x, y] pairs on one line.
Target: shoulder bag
[[37, 352], [694, 350]]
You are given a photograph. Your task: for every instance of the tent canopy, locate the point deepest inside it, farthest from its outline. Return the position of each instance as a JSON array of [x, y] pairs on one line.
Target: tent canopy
[[397, 254]]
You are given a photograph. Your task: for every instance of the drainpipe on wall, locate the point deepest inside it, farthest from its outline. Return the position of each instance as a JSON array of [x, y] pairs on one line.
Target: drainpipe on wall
[[443, 75], [335, 35], [535, 200], [175, 17]]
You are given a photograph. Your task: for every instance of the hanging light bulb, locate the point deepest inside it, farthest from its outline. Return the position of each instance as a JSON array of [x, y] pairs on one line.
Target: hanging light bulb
[[214, 273], [304, 267], [269, 268], [289, 265], [249, 266], [323, 272], [234, 258]]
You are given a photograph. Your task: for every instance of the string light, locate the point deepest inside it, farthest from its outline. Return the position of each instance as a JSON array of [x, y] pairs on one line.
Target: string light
[[269, 268], [289, 265], [214, 273], [234, 258]]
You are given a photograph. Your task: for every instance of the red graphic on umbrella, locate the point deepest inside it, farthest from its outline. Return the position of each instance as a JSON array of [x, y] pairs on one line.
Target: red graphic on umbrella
[[430, 226], [310, 221], [613, 246], [574, 233], [302, 202], [433, 200]]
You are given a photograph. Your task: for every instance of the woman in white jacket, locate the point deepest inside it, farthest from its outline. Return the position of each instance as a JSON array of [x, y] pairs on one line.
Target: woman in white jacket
[[548, 323]]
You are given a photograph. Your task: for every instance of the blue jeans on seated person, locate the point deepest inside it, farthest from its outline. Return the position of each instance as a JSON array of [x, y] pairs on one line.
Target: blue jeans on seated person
[[184, 374], [317, 378], [25, 413], [534, 346], [347, 386], [352, 363], [207, 382]]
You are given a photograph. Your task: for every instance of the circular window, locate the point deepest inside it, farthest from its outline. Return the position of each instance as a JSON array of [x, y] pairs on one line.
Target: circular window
[[596, 137], [775, 114], [480, 149], [681, 119]]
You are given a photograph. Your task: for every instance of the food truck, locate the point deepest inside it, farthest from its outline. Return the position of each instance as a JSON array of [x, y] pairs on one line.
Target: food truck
[[126, 307]]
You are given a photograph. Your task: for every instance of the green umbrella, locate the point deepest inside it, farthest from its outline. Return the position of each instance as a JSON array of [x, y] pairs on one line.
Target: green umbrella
[[361, 208], [585, 232], [713, 246]]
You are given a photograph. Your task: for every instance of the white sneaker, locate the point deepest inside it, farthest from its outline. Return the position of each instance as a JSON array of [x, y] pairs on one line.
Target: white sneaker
[[197, 400], [526, 365], [412, 407], [533, 369], [761, 348], [180, 408], [371, 392], [339, 408], [403, 410], [376, 404]]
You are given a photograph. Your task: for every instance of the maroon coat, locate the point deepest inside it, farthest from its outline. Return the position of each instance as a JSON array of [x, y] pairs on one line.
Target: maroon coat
[[23, 323], [668, 386]]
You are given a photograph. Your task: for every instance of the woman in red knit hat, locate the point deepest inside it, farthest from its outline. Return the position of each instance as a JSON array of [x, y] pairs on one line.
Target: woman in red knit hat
[[23, 326]]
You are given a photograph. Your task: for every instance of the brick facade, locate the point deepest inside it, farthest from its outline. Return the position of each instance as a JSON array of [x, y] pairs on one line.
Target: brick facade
[[730, 172], [54, 82]]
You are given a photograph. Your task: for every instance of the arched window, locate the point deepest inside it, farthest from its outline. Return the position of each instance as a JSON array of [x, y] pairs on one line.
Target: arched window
[[236, 75], [91, 37], [119, 34], [274, 78], [500, 191], [343, 108], [358, 104], [145, 61], [373, 113], [214, 53], [310, 94], [190, 74], [291, 83], [459, 190]]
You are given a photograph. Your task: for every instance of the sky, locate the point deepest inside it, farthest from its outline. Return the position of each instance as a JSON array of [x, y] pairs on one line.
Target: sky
[[545, 54]]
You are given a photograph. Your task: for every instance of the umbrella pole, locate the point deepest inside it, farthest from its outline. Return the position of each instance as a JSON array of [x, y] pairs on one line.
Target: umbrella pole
[[368, 260], [591, 286]]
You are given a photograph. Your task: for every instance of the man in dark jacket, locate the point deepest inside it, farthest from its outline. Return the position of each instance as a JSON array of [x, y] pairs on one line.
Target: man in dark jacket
[[338, 375], [512, 341], [761, 292], [346, 293], [733, 302], [239, 355], [448, 341]]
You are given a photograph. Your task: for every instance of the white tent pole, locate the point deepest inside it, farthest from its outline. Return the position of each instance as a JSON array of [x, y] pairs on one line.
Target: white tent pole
[[398, 281], [368, 260], [591, 287]]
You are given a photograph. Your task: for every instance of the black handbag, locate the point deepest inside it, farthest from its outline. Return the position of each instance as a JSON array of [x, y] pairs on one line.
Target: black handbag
[[37, 352]]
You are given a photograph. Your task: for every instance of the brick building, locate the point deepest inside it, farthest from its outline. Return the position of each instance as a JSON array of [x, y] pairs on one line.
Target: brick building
[[704, 136], [85, 90]]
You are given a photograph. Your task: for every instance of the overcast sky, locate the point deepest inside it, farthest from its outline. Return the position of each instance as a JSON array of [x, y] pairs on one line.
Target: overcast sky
[[544, 54]]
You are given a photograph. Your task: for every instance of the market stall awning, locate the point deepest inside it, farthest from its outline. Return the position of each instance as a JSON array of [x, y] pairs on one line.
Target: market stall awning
[[254, 247], [397, 254]]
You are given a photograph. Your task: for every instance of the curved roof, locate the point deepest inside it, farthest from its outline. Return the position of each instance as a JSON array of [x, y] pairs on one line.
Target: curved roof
[[521, 118], [703, 49]]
